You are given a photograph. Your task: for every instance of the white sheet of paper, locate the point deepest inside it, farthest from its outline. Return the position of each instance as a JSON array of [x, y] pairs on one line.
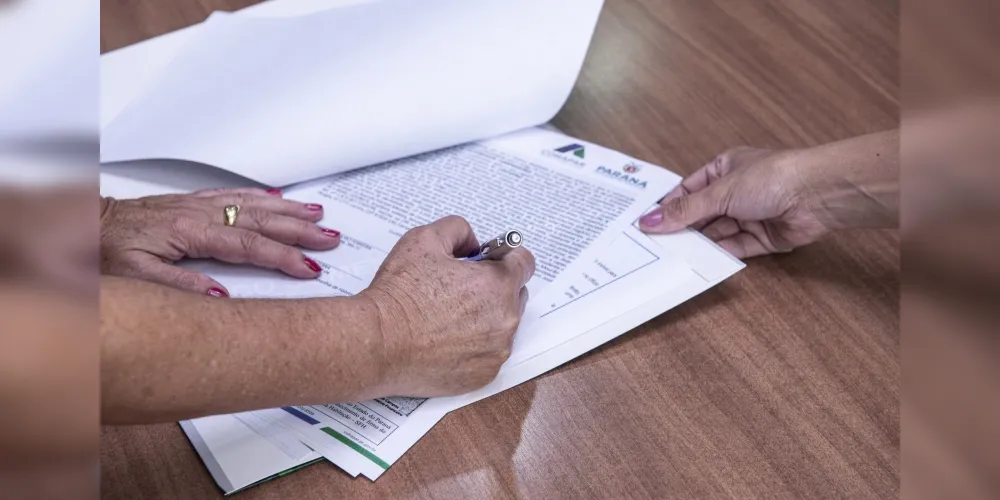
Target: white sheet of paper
[[235, 455], [127, 71], [276, 435], [283, 100]]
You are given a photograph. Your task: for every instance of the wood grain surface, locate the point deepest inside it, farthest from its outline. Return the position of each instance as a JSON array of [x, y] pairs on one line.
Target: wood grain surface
[[783, 382]]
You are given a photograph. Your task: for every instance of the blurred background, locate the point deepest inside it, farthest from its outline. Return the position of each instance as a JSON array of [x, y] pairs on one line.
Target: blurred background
[[50, 223], [951, 232]]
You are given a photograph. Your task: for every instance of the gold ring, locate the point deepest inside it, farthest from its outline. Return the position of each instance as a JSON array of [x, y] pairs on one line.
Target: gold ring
[[230, 212]]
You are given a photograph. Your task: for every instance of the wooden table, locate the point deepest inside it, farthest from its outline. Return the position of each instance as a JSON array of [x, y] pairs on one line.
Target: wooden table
[[784, 382]]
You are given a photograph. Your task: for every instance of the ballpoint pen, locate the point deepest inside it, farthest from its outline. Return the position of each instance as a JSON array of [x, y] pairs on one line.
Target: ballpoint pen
[[496, 248]]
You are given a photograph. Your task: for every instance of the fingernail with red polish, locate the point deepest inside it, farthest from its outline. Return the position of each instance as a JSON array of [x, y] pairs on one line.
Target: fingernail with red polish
[[652, 219], [313, 265], [274, 192], [333, 233], [314, 207], [217, 292]]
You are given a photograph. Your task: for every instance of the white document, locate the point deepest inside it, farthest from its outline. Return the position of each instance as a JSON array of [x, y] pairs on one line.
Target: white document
[[236, 456], [567, 212], [281, 437], [127, 71], [284, 100]]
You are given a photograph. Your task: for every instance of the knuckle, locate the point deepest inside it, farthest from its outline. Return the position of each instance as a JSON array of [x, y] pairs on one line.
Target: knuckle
[[529, 259], [419, 233], [259, 218], [676, 207], [185, 280], [181, 226], [250, 242], [451, 223], [721, 164], [454, 219], [278, 255], [300, 231], [186, 230], [289, 254], [508, 325]]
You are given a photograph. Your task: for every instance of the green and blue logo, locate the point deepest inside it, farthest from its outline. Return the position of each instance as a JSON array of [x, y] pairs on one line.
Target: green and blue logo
[[576, 150]]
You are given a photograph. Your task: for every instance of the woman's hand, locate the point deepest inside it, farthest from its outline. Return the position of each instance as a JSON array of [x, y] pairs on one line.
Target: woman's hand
[[142, 238], [749, 201], [755, 201], [446, 325]]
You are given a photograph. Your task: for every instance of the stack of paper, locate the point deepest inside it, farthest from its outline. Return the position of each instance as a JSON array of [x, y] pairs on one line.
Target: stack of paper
[[393, 114]]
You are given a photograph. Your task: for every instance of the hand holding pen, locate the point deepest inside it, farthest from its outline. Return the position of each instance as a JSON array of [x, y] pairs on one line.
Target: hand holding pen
[[447, 328], [496, 248]]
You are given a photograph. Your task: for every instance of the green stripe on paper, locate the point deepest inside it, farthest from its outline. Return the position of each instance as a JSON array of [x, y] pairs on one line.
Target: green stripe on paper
[[356, 447], [274, 476]]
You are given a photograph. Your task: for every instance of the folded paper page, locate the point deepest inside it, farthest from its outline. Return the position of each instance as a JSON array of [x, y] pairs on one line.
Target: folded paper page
[[283, 100], [127, 71]]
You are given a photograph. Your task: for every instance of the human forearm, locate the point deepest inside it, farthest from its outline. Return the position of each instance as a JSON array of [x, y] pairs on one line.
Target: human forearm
[[852, 183], [169, 355], [758, 201]]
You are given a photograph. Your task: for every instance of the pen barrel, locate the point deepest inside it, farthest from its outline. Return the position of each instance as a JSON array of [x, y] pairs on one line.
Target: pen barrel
[[495, 252], [496, 248]]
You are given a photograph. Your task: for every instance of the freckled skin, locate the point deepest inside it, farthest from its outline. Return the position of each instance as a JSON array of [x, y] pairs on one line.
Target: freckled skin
[[464, 314], [142, 238], [428, 325]]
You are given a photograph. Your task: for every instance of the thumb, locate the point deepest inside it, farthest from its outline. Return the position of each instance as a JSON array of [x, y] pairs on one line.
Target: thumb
[[156, 271], [679, 212]]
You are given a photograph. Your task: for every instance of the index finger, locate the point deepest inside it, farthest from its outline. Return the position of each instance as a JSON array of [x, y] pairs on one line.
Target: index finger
[[456, 235], [701, 178], [520, 264]]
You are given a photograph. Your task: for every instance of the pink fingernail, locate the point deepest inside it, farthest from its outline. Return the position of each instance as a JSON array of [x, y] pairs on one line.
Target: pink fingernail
[[314, 207], [217, 292], [313, 265], [274, 192], [652, 219], [333, 233]]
